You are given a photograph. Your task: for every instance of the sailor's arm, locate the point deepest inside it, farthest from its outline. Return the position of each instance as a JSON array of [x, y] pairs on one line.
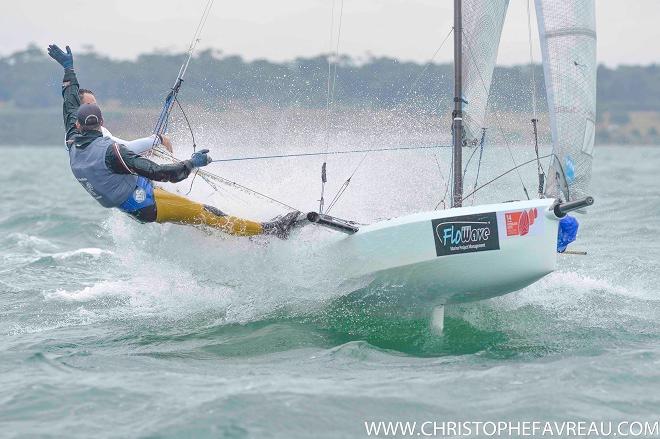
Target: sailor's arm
[[140, 146], [71, 102], [122, 160], [69, 87]]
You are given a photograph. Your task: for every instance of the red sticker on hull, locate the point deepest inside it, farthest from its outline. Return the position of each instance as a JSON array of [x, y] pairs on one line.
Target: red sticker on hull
[[519, 223]]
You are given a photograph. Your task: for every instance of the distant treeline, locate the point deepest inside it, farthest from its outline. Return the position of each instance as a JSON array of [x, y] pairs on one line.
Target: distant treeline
[[31, 80]]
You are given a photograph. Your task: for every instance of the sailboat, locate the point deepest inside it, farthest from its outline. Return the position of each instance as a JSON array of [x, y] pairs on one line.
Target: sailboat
[[470, 253]]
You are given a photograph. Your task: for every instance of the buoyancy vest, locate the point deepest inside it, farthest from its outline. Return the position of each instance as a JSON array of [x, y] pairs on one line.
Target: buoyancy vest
[[89, 167]]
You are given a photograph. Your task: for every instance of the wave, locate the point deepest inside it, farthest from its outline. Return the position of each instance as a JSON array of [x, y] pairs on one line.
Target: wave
[[84, 252], [30, 242]]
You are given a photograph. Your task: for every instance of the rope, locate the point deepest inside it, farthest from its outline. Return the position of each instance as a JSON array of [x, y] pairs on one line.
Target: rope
[[185, 116], [210, 178], [194, 143], [317, 153]]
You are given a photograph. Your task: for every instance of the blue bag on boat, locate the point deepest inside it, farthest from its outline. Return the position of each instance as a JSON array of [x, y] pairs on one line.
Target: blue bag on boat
[[568, 228]]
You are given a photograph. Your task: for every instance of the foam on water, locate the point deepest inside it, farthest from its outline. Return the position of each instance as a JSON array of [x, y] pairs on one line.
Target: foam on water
[[84, 252], [29, 242], [107, 323]]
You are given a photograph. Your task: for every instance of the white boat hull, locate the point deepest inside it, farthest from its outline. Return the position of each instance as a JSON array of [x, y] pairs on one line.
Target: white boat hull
[[454, 255]]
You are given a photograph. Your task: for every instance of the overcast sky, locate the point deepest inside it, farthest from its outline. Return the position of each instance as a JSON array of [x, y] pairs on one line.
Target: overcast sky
[[628, 30]]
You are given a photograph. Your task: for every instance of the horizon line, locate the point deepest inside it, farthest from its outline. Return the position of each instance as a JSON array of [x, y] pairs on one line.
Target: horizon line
[[90, 49]]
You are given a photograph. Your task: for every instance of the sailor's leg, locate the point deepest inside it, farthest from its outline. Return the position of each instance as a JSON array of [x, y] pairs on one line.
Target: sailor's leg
[[172, 208]]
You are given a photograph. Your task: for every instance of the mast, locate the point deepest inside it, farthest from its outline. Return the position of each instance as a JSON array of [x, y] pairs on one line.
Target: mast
[[457, 114]]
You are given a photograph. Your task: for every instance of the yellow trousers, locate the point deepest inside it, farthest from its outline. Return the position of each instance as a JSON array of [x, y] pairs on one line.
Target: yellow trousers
[[172, 208]]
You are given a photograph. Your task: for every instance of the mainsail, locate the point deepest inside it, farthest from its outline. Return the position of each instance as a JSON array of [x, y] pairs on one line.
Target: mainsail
[[567, 31], [482, 28]]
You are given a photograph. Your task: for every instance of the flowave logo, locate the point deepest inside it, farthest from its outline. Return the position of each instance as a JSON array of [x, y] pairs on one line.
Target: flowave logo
[[464, 234]]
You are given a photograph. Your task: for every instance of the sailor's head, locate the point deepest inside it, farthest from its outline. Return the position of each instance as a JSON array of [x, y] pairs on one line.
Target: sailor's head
[[86, 96], [89, 118]]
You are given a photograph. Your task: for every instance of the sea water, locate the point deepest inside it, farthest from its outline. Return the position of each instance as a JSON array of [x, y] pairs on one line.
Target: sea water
[[109, 328]]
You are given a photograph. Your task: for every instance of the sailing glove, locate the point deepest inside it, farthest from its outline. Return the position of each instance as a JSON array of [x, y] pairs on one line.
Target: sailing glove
[[65, 59], [200, 158]]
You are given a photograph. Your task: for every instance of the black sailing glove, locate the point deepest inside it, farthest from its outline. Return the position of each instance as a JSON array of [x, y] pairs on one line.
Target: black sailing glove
[[65, 59]]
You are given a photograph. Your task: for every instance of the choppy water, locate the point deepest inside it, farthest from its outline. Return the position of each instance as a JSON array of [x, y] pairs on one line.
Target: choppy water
[[112, 329]]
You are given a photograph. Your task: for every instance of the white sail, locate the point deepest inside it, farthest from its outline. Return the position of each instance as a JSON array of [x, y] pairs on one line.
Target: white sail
[[567, 31], [482, 28]]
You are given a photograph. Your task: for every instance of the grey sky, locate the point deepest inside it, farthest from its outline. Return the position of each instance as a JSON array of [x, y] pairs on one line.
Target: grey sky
[[283, 29]]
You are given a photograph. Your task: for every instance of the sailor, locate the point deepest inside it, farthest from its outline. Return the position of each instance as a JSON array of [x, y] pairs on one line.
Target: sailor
[[117, 177]]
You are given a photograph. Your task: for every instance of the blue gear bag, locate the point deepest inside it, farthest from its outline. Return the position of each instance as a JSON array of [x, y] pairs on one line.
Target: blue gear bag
[[568, 228]]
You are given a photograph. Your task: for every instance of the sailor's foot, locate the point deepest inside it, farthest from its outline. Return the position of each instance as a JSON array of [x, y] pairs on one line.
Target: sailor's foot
[[281, 226]]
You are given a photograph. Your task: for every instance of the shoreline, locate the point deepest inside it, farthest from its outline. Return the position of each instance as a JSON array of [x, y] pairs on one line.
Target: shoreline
[[247, 126]]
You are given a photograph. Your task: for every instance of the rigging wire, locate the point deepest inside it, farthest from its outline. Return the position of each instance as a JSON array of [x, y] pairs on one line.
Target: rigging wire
[[481, 154], [499, 126], [332, 81], [531, 59], [336, 58], [474, 151], [505, 173], [449, 189], [163, 121], [447, 180], [539, 167], [330, 44], [342, 189], [428, 65], [163, 118], [344, 185]]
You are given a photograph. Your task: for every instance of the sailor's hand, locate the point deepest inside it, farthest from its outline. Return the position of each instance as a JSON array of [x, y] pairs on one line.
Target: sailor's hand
[[200, 158], [167, 143], [64, 58]]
